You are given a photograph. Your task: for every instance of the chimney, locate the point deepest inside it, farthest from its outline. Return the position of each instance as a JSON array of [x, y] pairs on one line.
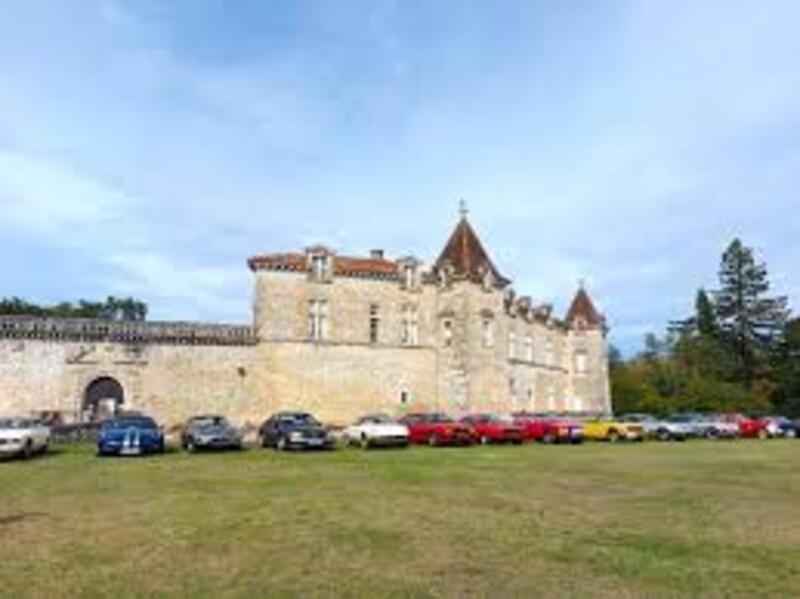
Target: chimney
[[376, 254]]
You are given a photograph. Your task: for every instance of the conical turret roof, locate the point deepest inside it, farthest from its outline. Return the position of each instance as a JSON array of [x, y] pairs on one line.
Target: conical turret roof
[[582, 308], [466, 256]]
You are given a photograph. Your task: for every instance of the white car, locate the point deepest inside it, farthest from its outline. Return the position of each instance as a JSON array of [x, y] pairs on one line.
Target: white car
[[23, 437], [376, 430]]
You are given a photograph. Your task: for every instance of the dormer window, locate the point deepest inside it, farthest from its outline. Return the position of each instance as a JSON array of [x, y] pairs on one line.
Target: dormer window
[[410, 276], [320, 267], [319, 261]]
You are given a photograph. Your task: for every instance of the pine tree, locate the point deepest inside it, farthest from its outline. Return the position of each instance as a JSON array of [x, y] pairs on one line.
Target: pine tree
[[705, 315], [750, 322]]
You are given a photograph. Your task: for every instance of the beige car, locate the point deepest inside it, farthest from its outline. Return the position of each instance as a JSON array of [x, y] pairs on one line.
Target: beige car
[[23, 437]]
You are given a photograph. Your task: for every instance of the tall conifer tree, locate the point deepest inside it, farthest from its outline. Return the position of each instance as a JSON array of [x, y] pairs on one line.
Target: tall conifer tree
[[750, 321]]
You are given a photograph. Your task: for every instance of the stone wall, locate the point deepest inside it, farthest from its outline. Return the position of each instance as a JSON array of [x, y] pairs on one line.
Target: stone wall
[[171, 382]]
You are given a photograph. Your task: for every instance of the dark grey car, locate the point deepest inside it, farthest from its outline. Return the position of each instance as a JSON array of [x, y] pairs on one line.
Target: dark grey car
[[210, 432], [295, 430]]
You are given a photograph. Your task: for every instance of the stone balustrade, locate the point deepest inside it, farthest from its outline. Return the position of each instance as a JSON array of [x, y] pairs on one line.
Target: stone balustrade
[[91, 329]]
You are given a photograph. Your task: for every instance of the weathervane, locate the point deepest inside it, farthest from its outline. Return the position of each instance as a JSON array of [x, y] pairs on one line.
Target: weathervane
[[462, 208]]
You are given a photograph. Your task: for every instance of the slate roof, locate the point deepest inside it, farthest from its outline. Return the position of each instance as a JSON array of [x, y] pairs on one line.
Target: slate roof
[[465, 254], [582, 307]]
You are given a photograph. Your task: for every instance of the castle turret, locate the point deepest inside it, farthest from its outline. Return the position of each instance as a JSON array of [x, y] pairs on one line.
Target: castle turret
[[589, 365]]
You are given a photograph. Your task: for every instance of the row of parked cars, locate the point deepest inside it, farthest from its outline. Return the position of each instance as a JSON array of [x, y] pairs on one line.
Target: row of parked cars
[[137, 434]]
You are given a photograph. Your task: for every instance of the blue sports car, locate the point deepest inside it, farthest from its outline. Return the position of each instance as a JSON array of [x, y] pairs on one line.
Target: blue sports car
[[130, 435]]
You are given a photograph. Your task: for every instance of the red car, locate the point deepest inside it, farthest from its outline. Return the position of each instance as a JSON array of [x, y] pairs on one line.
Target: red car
[[548, 429], [491, 428], [436, 428], [749, 428]]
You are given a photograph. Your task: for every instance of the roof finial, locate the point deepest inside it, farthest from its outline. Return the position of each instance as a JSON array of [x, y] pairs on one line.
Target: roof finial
[[462, 208], [582, 283]]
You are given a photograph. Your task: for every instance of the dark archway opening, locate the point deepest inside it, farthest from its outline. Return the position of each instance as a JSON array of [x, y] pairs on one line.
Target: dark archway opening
[[103, 398]]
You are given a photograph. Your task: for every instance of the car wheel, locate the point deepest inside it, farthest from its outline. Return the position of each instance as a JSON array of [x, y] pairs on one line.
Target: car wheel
[[549, 438], [190, 446], [485, 440], [613, 435], [712, 433], [433, 441], [763, 434], [281, 445], [364, 442], [790, 434], [27, 451], [663, 435]]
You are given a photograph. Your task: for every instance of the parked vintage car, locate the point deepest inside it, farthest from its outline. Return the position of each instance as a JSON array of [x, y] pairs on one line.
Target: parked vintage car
[[435, 428], [779, 426], [130, 434], [23, 437], [749, 428], [613, 430], [707, 426], [493, 428], [294, 430], [548, 429], [663, 429], [376, 430], [210, 431]]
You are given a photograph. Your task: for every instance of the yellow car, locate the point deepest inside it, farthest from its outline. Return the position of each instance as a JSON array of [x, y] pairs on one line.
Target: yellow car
[[608, 429]]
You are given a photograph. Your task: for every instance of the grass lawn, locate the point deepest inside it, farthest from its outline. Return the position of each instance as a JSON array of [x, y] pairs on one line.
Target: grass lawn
[[693, 519]]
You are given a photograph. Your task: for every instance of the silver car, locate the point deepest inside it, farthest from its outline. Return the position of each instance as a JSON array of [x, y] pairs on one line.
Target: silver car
[[663, 429], [23, 437], [708, 426]]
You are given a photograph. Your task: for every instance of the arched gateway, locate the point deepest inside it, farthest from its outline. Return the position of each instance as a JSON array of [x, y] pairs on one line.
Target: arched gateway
[[103, 398]]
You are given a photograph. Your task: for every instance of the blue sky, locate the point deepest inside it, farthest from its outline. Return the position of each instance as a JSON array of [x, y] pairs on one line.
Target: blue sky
[[149, 148]]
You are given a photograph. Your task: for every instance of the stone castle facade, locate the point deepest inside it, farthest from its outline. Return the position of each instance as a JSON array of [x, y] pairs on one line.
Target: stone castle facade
[[336, 335]]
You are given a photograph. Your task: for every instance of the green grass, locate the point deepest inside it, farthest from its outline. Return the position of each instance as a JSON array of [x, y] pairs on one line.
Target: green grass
[[698, 519]]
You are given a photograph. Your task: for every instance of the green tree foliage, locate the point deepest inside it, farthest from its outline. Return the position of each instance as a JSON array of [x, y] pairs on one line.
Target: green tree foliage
[[736, 352], [112, 309], [751, 322]]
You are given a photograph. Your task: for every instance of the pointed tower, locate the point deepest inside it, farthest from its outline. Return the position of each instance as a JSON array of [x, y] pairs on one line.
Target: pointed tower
[[464, 257], [589, 381], [582, 314]]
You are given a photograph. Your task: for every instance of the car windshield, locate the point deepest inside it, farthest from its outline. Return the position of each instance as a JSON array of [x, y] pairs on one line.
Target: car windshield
[[376, 419], [15, 423], [299, 419], [131, 422], [443, 418], [496, 418], [679, 418], [211, 422]]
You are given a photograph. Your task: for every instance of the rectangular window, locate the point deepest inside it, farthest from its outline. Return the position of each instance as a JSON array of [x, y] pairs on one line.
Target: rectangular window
[[409, 326], [488, 332], [549, 354], [319, 267], [409, 276], [581, 362], [374, 322], [317, 319], [447, 332], [404, 397]]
